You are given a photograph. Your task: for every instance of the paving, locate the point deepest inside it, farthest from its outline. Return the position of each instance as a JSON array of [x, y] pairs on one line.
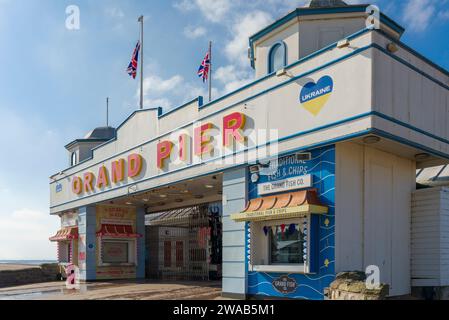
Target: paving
[[117, 290]]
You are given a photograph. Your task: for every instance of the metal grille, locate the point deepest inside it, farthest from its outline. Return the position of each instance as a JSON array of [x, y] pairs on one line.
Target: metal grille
[[184, 244]]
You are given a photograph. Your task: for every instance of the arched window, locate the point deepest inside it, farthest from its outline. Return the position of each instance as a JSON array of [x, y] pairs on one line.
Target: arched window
[[277, 57], [73, 159]]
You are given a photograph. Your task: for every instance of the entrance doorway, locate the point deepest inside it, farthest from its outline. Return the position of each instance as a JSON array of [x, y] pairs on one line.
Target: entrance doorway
[[185, 243]]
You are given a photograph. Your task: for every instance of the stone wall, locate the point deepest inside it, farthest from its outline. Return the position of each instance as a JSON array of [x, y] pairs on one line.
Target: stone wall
[[352, 286], [29, 275]]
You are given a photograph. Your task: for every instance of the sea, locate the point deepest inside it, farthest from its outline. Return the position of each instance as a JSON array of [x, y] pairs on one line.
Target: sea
[[27, 262]]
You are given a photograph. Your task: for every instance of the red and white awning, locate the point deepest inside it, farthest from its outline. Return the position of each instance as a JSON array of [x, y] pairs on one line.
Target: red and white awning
[[117, 231], [65, 234]]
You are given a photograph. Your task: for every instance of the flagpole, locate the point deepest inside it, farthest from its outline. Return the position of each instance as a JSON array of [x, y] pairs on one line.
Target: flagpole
[[141, 61], [107, 112], [210, 71]]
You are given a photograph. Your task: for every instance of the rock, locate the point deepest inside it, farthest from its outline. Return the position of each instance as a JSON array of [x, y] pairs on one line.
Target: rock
[[351, 285], [352, 275]]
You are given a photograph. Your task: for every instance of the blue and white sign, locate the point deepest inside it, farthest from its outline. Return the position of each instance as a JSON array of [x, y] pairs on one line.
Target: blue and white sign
[[314, 96], [295, 183]]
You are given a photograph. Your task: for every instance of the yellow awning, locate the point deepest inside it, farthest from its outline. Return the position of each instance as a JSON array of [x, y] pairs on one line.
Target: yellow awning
[[284, 206]]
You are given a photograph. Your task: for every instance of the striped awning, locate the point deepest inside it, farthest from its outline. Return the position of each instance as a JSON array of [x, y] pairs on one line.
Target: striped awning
[[65, 234], [282, 206], [117, 231]]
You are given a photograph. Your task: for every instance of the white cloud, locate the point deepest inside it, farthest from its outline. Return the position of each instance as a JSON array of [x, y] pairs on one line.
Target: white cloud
[[184, 5], [418, 14], [237, 48], [159, 85], [214, 11], [114, 12], [194, 32], [232, 77], [171, 92], [155, 90]]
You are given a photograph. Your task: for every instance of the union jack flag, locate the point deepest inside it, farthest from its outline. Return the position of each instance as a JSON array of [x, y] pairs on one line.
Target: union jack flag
[[203, 71], [132, 68]]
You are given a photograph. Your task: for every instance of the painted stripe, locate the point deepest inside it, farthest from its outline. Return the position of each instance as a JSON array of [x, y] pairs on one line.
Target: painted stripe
[[317, 145], [308, 147], [261, 93]]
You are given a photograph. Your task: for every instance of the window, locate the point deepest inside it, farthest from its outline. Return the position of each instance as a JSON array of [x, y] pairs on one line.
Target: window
[[286, 244], [117, 252], [282, 245], [277, 57], [73, 159]]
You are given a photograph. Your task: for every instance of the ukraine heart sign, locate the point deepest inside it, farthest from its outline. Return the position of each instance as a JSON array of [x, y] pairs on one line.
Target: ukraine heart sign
[[315, 95]]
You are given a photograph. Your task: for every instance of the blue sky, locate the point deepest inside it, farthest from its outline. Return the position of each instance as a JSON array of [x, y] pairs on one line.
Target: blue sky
[[55, 81]]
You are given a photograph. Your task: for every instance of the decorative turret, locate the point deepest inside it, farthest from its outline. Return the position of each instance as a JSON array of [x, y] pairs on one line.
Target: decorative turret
[[309, 29], [81, 149], [326, 3]]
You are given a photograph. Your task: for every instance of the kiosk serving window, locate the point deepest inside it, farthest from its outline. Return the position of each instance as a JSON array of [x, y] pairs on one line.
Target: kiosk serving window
[[115, 252], [283, 231], [117, 244], [64, 252], [67, 242], [280, 246], [286, 245]]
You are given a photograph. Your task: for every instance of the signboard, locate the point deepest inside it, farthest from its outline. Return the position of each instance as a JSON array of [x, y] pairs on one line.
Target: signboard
[[315, 95], [285, 284], [289, 184], [281, 213], [69, 220]]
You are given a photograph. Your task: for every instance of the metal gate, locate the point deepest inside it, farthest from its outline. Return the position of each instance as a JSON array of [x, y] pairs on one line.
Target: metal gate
[[185, 244]]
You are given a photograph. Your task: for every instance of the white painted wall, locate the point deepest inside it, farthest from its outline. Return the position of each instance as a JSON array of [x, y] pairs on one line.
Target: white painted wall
[[319, 33], [373, 212], [430, 237], [408, 96], [305, 36]]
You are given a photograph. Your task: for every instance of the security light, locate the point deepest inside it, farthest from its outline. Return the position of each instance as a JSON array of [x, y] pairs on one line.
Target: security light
[[392, 47], [304, 156], [343, 43], [371, 140], [254, 169], [422, 156], [283, 72]]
